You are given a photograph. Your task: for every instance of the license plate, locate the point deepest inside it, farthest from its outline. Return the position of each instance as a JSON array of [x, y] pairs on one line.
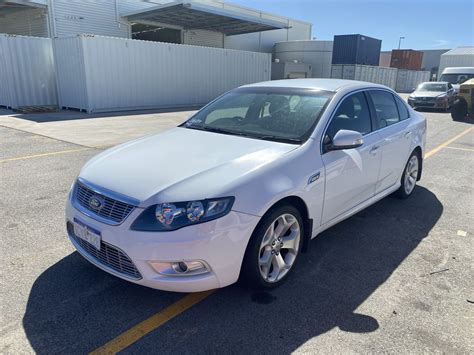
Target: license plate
[[89, 234]]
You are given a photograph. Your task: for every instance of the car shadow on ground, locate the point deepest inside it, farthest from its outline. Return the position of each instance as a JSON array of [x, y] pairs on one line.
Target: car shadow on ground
[[75, 307]]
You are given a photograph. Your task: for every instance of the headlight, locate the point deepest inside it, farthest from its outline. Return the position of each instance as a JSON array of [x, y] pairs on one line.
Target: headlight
[[442, 97], [172, 216]]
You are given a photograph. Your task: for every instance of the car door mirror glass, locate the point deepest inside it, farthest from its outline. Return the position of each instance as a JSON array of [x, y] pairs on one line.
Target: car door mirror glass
[[346, 139]]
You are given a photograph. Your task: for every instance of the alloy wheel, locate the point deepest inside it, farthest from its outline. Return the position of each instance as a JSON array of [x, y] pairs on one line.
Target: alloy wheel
[[279, 247], [411, 174]]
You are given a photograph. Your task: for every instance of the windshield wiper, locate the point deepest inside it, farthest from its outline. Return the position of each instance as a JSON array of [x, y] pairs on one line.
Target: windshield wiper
[[280, 139], [218, 130]]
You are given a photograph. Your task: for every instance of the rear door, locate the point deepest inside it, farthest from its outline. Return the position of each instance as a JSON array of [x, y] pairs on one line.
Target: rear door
[[394, 128], [351, 174]]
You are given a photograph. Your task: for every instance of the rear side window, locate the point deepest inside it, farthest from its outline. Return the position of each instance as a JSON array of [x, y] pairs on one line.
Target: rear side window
[[385, 107], [402, 109]]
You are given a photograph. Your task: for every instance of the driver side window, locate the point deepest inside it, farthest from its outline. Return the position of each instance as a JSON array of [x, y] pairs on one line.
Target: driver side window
[[353, 114]]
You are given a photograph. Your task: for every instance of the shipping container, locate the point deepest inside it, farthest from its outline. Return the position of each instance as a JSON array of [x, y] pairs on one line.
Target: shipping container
[[372, 74], [406, 59], [109, 74], [457, 57], [356, 49], [318, 54], [290, 70], [408, 80], [27, 74]]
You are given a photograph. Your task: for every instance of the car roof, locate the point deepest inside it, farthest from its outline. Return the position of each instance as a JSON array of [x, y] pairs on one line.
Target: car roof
[[434, 82], [458, 70], [321, 84]]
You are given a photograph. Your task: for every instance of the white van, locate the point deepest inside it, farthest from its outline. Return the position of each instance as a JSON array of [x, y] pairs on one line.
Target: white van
[[457, 75]]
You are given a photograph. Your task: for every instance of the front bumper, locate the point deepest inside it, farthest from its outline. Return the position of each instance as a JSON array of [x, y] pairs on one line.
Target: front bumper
[[220, 243], [422, 103]]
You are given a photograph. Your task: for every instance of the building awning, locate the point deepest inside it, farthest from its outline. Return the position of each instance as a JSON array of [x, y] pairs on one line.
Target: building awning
[[193, 15]]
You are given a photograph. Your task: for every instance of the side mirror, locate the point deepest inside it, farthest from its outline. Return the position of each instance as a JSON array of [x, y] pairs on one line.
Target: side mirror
[[345, 139]]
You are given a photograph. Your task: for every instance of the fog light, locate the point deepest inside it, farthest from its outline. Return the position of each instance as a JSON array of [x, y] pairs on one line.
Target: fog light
[[180, 268]]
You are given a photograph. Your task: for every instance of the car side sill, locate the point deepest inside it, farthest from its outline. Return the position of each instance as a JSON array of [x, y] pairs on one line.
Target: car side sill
[[357, 208]]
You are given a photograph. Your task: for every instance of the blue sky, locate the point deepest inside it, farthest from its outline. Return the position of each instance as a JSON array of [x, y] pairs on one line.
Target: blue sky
[[425, 24]]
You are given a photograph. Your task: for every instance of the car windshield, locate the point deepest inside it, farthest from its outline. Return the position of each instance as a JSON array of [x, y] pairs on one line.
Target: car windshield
[[433, 87], [282, 115], [456, 78]]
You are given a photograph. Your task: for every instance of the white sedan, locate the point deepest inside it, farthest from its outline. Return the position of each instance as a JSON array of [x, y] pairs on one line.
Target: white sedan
[[239, 189]]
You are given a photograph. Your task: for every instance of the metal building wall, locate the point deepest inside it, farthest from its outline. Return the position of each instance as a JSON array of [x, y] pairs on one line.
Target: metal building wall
[[27, 73], [122, 74], [95, 17], [457, 57], [316, 53], [385, 59], [431, 59], [25, 22], [203, 38]]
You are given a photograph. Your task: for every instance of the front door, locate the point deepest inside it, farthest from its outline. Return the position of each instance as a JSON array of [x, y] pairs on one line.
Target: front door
[[351, 174]]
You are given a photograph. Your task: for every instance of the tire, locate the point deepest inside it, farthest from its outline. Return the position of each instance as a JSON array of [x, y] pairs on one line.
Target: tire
[[265, 245], [409, 176], [459, 110]]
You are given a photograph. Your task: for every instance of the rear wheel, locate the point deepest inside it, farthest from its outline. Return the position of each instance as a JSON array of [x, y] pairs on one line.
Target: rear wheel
[[459, 109], [273, 249], [410, 176]]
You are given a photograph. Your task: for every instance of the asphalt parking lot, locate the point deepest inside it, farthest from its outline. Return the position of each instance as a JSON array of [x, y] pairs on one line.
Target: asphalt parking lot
[[394, 278]]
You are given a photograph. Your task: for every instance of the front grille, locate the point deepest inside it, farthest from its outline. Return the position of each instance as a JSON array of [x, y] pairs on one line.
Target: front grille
[[108, 255], [427, 104], [113, 210], [427, 99]]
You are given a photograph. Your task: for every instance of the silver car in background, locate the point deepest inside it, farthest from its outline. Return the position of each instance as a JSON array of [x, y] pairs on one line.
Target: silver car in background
[[434, 94]]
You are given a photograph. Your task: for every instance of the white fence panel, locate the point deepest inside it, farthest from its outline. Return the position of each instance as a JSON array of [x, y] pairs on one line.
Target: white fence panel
[[407, 80], [27, 73], [373, 74], [122, 74]]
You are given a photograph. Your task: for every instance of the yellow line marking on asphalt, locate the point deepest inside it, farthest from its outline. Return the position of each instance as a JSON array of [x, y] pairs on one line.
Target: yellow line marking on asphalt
[[462, 233], [448, 142], [44, 154], [135, 333], [132, 335], [459, 148]]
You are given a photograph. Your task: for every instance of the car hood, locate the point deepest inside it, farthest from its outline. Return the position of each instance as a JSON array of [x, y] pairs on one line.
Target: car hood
[[427, 93], [180, 164]]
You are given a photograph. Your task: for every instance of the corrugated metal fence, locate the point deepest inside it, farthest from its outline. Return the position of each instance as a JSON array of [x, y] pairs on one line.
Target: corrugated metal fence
[[27, 73], [408, 80], [373, 74], [106, 74]]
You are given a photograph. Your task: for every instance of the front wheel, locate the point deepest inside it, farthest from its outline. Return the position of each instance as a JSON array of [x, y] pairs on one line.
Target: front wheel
[[273, 248], [459, 109], [410, 176]]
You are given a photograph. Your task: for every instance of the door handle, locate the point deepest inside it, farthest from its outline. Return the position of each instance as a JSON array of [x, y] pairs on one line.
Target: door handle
[[374, 149], [407, 134]]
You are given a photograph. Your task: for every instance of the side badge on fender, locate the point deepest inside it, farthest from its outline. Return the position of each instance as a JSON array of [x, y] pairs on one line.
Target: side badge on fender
[[313, 178]]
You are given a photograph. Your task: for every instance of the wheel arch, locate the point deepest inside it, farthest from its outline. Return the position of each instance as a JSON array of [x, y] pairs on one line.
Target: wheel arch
[[301, 206], [419, 152]]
